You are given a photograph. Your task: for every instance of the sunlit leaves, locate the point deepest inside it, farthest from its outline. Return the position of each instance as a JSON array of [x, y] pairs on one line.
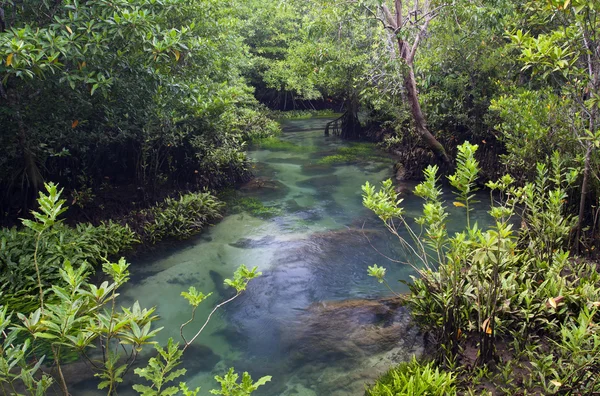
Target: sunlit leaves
[[377, 272], [241, 277], [194, 297], [231, 387]]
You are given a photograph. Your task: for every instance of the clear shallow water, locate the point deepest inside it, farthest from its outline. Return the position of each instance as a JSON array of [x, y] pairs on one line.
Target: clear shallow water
[[294, 322]]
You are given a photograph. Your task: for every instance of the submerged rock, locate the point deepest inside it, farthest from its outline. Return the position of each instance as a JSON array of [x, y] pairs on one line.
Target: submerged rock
[[199, 358], [352, 329], [363, 337], [266, 187], [317, 169], [320, 182], [219, 281], [249, 243]]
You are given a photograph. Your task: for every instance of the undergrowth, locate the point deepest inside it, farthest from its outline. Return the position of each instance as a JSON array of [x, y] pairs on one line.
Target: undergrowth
[[509, 309]]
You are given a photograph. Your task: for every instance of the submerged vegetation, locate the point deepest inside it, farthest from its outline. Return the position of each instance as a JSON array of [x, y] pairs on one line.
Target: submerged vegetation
[[276, 144], [355, 152]]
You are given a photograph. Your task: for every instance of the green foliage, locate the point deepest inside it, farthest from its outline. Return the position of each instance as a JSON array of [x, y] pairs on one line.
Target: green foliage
[[467, 169], [181, 218], [161, 370], [78, 316], [149, 93], [356, 152], [47, 243], [230, 386], [413, 379], [527, 118], [241, 277], [194, 297], [377, 272], [483, 285]]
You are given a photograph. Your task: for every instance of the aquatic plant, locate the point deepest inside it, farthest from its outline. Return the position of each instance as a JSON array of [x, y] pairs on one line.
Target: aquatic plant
[[276, 144], [236, 203], [301, 114], [354, 153]]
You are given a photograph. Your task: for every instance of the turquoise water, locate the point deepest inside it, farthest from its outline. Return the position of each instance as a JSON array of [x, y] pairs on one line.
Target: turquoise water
[[304, 321]]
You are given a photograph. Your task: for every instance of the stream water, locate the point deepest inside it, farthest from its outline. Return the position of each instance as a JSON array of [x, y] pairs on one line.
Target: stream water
[[304, 321]]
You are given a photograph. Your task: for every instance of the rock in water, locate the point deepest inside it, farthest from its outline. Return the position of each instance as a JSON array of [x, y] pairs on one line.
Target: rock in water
[[353, 329], [224, 291]]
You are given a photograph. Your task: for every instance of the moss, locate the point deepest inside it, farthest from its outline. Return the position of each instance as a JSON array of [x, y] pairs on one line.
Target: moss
[[238, 204], [356, 152], [276, 144], [302, 114]]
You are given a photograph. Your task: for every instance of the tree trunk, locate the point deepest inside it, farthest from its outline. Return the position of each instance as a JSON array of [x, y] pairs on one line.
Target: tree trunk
[[584, 190], [420, 123], [351, 128]]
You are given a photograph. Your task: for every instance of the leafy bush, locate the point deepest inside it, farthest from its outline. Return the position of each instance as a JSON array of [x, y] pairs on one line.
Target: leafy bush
[[85, 244], [490, 285], [75, 316], [414, 379], [183, 217]]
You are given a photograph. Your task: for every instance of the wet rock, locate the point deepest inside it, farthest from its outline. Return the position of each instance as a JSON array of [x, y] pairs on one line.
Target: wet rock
[[249, 243], [273, 189], [199, 358], [352, 329], [404, 188], [363, 337], [400, 171], [320, 182]]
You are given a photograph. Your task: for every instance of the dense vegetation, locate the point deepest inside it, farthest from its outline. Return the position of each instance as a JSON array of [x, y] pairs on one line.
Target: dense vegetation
[[139, 108]]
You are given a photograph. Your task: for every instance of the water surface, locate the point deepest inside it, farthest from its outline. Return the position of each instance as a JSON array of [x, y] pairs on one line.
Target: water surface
[[313, 253]]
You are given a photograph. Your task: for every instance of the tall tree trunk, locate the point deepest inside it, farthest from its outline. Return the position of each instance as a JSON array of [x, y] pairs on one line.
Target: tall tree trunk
[[420, 123], [394, 22]]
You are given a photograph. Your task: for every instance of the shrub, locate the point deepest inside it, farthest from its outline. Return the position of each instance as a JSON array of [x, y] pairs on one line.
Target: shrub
[[75, 316], [497, 286], [85, 244], [181, 218]]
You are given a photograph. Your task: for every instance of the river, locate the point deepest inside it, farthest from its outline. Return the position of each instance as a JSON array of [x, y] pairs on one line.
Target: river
[[302, 321]]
